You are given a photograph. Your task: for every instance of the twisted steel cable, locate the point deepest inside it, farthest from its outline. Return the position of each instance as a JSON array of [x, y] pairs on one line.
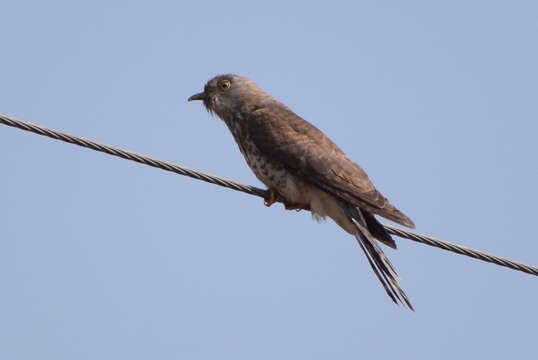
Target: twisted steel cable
[[132, 156], [423, 239]]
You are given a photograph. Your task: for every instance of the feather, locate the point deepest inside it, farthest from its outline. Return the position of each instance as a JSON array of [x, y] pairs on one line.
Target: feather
[[306, 152], [377, 259]]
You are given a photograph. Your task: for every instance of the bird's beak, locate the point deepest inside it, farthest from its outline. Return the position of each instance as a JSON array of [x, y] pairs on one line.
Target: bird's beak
[[199, 96]]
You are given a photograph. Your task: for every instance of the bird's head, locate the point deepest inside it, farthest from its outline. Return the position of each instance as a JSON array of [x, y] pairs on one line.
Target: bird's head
[[226, 94]]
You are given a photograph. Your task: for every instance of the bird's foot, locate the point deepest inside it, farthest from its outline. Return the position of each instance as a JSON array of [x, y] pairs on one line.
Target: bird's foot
[[290, 206], [274, 197]]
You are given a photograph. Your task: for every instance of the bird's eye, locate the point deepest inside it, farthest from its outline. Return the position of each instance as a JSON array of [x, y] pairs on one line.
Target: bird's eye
[[224, 85]]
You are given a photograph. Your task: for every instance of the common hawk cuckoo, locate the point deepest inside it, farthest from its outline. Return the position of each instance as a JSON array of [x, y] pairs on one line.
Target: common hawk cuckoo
[[303, 168]]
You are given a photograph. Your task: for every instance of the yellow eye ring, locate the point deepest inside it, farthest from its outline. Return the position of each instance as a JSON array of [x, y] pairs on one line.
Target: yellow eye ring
[[224, 85]]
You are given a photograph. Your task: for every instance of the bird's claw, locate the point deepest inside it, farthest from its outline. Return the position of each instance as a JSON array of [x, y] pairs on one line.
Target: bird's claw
[[274, 197], [290, 206]]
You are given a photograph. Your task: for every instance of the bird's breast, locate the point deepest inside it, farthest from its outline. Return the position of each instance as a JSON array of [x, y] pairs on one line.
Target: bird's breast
[[269, 171], [273, 174]]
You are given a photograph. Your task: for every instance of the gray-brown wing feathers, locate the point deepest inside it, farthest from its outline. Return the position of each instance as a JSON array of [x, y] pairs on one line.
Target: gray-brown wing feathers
[[306, 151]]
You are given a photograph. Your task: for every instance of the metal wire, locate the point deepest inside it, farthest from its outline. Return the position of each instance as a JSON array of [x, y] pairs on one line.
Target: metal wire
[[423, 239], [462, 250], [132, 156]]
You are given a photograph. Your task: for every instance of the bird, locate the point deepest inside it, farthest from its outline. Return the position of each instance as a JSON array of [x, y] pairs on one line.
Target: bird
[[303, 169]]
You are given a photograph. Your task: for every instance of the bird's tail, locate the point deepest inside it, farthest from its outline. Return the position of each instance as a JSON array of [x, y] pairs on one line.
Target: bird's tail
[[379, 262]]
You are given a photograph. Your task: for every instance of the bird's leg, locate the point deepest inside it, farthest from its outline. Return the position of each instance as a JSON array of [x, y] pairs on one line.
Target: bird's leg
[[274, 197], [290, 206]]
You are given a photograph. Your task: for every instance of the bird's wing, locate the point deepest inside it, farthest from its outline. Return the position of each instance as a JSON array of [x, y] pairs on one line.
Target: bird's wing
[[306, 152]]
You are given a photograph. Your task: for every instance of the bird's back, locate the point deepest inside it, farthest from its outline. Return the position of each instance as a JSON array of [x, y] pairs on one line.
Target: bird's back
[[304, 150]]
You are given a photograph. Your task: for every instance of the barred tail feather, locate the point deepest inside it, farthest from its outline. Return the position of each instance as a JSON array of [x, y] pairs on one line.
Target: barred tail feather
[[379, 262]]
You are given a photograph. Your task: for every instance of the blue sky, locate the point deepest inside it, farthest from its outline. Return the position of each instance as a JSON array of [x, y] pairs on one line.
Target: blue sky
[[103, 258]]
